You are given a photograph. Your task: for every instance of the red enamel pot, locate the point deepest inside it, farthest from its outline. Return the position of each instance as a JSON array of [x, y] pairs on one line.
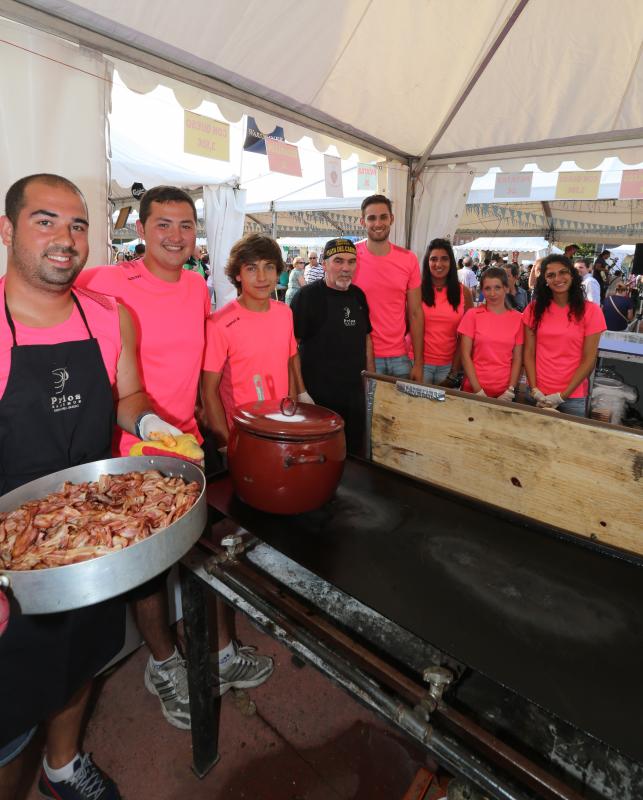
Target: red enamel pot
[[286, 457]]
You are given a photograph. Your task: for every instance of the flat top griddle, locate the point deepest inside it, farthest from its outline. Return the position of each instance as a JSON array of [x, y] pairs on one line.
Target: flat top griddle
[[555, 621]]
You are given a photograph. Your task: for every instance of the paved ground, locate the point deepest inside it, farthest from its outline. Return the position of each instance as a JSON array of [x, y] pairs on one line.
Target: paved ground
[[307, 741]]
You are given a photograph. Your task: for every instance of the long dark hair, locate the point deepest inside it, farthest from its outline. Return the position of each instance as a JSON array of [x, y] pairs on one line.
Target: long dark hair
[[543, 295], [453, 284]]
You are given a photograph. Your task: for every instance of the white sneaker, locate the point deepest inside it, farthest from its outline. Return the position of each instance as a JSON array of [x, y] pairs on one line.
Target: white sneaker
[[170, 684], [244, 670]]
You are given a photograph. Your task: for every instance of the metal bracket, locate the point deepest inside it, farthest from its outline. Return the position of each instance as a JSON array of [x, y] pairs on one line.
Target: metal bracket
[[417, 390], [234, 544]]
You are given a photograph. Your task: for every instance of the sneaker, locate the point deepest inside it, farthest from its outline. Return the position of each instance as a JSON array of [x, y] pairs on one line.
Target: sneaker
[[170, 684], [87, 783], [243, 671]]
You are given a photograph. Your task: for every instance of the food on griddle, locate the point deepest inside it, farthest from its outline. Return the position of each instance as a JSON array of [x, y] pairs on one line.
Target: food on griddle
[[86, 520]]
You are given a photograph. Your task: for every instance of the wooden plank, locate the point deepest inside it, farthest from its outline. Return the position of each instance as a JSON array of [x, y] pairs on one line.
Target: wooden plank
[[584, 478]]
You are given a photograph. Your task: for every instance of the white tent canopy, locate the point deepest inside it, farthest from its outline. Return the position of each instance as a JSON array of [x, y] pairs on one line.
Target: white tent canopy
[[430, 85], [508, 244], [412, 82]]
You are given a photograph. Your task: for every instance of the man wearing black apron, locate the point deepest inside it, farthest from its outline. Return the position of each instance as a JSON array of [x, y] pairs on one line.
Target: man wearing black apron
[[47, 661], [333, 329]]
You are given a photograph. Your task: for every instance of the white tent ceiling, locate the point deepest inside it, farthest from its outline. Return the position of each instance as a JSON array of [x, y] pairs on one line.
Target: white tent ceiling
[[446, 79]]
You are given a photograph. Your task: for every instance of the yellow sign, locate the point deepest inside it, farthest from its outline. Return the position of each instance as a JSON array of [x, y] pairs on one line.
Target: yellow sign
[[203, 136], [578, 185]]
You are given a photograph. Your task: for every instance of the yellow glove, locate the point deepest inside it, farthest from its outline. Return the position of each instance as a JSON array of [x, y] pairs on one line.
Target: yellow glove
[[184, 446]]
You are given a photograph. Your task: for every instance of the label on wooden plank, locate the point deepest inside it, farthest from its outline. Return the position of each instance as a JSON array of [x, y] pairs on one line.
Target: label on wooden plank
[[416, 390]]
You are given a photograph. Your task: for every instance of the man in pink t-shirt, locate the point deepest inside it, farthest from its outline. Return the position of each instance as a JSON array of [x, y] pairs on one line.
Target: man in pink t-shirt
[[169, 306], [390, 278], [251, 351]]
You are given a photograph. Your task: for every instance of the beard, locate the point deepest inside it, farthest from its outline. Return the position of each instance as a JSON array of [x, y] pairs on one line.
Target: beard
[[37, 272]]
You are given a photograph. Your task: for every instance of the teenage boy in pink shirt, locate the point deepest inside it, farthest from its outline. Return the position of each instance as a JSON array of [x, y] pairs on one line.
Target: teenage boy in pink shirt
[[390, 278], [251, 351], [169, 306]]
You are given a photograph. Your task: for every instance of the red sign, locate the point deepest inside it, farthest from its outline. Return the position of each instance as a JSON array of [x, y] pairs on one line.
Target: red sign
[[631, 184], [283, 157]]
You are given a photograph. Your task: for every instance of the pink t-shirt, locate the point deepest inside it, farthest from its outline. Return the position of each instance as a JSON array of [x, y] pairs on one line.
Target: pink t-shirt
[[251, 349], [494, 338], [170, 327], [103, 321], [441, 328], [385, 281], [559, 345]]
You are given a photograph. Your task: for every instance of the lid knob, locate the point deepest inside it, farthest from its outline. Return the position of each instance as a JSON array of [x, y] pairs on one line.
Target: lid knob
[[288, 407]]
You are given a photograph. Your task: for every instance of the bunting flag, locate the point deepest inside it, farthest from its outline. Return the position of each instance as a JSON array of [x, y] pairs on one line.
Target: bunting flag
[[204, 136], [333, 176], [254, 142], [283, 157], [631, 184]]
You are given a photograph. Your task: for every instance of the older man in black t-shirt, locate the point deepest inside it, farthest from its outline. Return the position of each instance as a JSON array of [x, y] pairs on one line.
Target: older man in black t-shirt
[[333, 329]]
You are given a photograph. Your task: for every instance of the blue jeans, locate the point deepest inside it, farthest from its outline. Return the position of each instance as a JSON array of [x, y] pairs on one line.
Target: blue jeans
[[398, 366], [436, 373], [575, 406], [13, 748]]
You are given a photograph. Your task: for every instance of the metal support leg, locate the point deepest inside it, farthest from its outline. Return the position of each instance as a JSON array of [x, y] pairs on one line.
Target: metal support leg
[[204, 709]]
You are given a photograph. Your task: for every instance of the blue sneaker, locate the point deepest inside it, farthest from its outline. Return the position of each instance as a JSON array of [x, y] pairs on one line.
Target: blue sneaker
[[87, 783]]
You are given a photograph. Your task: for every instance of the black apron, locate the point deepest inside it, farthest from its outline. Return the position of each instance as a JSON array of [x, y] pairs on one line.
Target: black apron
[[332, 359], [57, 411]]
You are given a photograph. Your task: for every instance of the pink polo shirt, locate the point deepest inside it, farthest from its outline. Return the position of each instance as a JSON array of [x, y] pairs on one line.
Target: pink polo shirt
[[102, 317], [494, 338], [170, 328], [441, 328], [559, 345], [385, 280], [251, 349]]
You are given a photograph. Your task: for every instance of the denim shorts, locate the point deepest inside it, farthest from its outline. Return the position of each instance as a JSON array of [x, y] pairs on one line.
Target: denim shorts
[[398, 366], [576, 406], [436, 373], [13, 748]]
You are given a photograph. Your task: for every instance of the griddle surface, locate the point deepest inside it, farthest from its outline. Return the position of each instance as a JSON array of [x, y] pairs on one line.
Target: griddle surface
[[556, 622]]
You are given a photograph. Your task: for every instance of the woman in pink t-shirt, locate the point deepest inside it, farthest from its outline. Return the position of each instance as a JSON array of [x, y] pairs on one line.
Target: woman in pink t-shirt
[[444, 301], [562, 332], [491, 340]]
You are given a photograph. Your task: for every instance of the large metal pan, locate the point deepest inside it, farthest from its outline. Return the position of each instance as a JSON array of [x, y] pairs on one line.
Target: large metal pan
[[45, 591]]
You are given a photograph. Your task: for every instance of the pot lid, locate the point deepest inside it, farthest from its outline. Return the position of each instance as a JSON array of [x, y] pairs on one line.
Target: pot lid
[[287, 419]]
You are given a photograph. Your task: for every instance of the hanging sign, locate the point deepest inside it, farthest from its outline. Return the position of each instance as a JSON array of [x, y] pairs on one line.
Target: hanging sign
[[513, 184], [283, 157], [333, 176], [207, 137], [367, 177], [578, 185], [631, 184], [254, 142]]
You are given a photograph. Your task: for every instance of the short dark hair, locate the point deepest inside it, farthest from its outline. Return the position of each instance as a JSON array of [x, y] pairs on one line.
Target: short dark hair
[[515, 269], [372, 199], [15, 198], [582, 260], [251, 248], [139, 249], [163, 194]]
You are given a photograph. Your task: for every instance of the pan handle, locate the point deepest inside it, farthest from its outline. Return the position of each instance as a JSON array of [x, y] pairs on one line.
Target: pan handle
[[303, 458]]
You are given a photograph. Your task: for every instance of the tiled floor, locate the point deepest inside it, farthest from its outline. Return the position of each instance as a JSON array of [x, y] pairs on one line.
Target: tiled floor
[[307, 740]]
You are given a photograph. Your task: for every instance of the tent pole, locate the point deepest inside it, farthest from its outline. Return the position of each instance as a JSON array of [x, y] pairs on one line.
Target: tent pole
[[274, 220], [410, 197]]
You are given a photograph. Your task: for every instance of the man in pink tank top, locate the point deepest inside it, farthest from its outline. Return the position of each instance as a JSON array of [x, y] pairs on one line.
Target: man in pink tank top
[[170, 306], [390, 278]]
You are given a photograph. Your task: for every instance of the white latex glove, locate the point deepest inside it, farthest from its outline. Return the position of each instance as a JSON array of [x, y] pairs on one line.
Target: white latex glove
[[508, 395], [553, 400], [539, 397], [481, 393], [151, 423], [304, 397]]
